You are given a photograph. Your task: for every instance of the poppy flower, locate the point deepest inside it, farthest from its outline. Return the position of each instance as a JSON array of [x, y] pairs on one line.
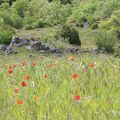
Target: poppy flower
[[23, 63], [91, 65], [77, 98], [10, 71], [14, 65], [71, 58], [74, 75], [27, 77], [20, 102], [10, 67], [16, 90], [45, 76], [23, 84], [33, 64], [3, 66]]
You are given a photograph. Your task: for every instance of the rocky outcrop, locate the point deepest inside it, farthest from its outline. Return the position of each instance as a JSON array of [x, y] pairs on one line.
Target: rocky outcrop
[[3, 47], [19, 41], [10, 50]]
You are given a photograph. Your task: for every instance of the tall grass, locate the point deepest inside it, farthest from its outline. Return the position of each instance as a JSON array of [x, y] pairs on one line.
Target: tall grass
[[50, 91]]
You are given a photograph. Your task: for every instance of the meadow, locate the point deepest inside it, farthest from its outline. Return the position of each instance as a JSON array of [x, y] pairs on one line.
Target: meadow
[[71, 87]]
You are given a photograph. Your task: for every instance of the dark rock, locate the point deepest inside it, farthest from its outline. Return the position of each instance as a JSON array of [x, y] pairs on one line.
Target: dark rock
[[74, 50], [25, 41], [29, 48], [19, 41], [10, 50], [3, 47], [55, 50], [36, 45]]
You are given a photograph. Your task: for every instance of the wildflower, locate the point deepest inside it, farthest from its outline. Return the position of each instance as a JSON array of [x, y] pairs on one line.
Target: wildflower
[[23, 84], [71, 58], [33, 64], [84, 69], [77, 98], [74, 75], [91, 65], [45, 76], [23, 63], [10, 67], [10, 71], [16, 90], [27, 77], [20, 102], [14, 65]]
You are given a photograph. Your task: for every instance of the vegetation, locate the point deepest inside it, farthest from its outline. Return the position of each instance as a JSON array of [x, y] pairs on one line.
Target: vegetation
[[71, 34], [60, 88]]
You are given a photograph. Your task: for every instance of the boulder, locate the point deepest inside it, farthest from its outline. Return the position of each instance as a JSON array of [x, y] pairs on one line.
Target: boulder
[[3, 47], [19, 41], [10, 50], [29, 48], [15, 40], [55, 50], [24, 41], [36, 45]]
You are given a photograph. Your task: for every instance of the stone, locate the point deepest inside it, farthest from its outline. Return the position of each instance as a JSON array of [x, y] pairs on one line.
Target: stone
[[3, 47], [29, 48], [10, 50]]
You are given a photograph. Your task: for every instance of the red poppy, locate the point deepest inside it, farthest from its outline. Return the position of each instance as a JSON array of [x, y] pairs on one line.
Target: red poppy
[[14, 65], [10, 71], [3, 66], [16, 90], [74, 75], [45, 76], [71, 58], [23, 84], [91, 65], [23, 63], [20, 102], [27, 77], [77, 98], [10, 67], [33, 64]]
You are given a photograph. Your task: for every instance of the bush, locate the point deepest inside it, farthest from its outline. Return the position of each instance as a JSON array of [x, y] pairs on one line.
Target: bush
[[66, 1], [20, 7], [71, 34], [94, 26], [6, 34], [117, 50], [39, 24], [106, 41]]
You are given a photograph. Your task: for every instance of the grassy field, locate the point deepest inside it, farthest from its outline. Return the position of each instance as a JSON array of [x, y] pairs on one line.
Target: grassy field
[[47, 35], [71, 87]]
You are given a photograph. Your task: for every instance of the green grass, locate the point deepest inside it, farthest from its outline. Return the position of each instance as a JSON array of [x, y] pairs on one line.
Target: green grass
[[47, 35], [52, 98]]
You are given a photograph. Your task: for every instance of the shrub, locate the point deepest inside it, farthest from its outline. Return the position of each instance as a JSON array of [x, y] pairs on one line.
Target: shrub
[[71, 34], [117, 50], [66, 1], [94, 26], [20, 7], [39, 24], [106, 41], [6, 34]]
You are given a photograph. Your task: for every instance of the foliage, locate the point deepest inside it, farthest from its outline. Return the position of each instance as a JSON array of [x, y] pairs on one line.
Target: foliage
[[51, 90], [106, 41], [71, 34], [6, 33], [117, 50]]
